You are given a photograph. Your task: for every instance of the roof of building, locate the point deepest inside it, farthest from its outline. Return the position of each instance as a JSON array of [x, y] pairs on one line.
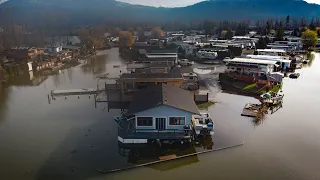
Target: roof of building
[[157, 65], [162, 51], [143, 51], [162, 56], [242, 65], [136, 44], [150, 76], [250, 60], [271, 50], [162, 94], [271, 58]]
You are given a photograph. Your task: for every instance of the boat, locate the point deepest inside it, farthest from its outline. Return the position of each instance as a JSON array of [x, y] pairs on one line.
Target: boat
[[118, 119], [185, 62], [202, 124], [294, 75], [271, 98]]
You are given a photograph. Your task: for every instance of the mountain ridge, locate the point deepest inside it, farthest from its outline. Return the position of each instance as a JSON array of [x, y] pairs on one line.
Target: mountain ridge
[[95, 11]]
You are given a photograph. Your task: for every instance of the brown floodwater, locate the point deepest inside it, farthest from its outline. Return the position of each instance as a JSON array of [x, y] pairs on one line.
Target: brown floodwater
[[71, 139]]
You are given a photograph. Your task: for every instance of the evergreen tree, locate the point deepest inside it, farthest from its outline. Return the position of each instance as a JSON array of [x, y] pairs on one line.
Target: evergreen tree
[[288, 22], [280, 34], [261, 44], [229, 34], [312, 26], [268, 27]]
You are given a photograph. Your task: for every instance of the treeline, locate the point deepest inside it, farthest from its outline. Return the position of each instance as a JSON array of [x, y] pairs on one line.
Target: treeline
[[24, 34]]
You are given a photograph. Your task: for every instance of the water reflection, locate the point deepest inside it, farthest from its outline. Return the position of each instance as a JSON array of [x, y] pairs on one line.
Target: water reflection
[[310, 56], [141, 154], [4, 95], [95, 65]]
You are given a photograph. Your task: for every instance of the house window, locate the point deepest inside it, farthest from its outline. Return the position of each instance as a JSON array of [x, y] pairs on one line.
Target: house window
[[177, 121], [144, 121]]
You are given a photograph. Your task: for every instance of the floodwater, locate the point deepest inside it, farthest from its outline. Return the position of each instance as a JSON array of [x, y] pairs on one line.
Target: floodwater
[[71, 139]]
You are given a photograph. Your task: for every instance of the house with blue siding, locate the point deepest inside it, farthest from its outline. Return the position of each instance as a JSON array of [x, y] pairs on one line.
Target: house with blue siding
[[159, 112]]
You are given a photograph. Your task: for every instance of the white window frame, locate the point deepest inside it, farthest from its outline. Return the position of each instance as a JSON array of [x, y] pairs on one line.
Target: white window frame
[[145, 126], [185, 120], [154, 120]]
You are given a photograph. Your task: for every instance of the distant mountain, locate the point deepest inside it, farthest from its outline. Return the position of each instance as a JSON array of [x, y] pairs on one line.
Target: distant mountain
[[94, 11]]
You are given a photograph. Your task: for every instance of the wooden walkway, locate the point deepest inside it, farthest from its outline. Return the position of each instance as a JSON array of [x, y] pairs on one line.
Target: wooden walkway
[[70, 92]]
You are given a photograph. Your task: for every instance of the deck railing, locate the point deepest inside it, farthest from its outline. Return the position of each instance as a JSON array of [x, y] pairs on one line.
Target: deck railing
[[154, 133]]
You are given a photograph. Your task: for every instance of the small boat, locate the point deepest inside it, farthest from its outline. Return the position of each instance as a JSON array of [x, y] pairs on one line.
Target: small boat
[[117, 119], [203, 124], [294, 75], [123, 117], [116, 66], [271, 98]]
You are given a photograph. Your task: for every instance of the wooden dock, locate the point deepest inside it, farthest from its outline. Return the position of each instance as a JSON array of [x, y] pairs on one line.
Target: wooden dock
[[70, 92], [251, 110]]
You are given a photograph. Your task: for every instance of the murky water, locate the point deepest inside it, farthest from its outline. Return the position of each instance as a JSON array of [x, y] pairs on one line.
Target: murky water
[[71, 139]]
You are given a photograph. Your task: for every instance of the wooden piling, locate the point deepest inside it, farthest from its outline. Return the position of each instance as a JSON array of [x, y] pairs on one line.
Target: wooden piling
[[49, 100]]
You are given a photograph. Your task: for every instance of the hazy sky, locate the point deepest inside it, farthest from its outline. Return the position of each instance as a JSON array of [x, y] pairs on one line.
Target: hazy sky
[[177, 3]]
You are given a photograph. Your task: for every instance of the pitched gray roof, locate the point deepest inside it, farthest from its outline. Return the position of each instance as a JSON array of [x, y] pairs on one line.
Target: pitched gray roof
[[162, 94]]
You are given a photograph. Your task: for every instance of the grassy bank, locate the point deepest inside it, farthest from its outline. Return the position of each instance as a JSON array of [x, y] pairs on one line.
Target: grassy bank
[[253, 88], [206, 105]]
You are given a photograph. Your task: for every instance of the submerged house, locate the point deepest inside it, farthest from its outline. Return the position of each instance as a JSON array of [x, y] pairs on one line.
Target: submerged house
[[250, 66], [160, 112]]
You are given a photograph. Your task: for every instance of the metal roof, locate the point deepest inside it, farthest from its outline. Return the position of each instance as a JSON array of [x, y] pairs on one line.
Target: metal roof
[[151, 76], [161, 56], [250, 60], [271, 58], [272, 50], [162, 94]]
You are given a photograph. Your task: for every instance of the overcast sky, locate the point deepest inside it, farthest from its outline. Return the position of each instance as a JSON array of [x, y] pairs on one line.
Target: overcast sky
[[177, 3], [165, 3]]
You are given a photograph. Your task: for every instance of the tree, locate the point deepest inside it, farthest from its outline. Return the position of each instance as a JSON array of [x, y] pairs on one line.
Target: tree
[[125, 39], [303, 29], [241, 29], [280, 34], [287, 22], [229, 34], [268, 27], [157, 33], [309, 38], [296, 32], [261, 44], [312, 26]]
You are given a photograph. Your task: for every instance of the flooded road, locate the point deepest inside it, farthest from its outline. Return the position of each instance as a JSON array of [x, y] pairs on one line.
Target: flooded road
[[71, 139]]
